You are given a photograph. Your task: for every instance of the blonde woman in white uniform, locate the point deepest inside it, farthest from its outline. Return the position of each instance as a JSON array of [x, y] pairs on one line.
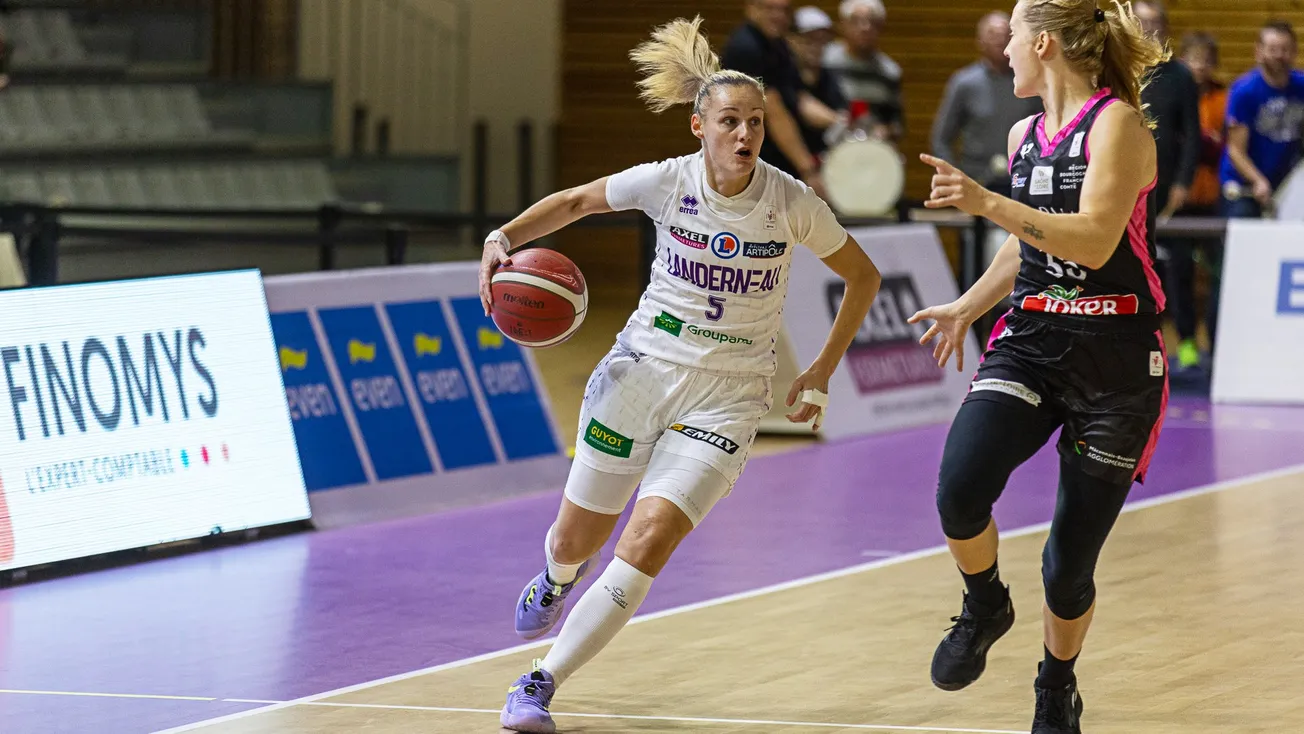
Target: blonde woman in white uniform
[[677, 402]]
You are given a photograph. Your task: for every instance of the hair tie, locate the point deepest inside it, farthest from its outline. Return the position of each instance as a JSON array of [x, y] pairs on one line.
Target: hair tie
[[1100, 15]]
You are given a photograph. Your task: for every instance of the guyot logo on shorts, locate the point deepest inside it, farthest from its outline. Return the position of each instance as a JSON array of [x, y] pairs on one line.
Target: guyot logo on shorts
[[607, 441]]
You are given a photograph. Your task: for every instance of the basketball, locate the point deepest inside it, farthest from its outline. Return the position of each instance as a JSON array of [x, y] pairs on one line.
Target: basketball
[[539, 299]]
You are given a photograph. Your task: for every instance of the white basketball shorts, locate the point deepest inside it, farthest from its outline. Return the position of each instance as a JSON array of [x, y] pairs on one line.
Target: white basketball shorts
[[635, 405]]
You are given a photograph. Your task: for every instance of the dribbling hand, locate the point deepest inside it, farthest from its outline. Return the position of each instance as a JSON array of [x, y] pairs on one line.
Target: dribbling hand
[[495, 254], [951, 324], [814, 378]]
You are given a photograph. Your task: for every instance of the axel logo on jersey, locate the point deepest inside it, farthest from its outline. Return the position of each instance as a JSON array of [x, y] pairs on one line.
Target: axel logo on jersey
[[764, 249], [1060, 300], [715, 439], [726, 245], [688, 238]]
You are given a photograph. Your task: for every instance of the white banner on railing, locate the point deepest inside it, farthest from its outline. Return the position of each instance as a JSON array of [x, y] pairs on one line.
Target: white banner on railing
[[1260, 341], [886, 381]]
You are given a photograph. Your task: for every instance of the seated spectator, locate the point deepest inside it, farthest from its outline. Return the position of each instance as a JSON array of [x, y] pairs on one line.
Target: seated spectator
[[758, 48], [813, 33], [865, 73]]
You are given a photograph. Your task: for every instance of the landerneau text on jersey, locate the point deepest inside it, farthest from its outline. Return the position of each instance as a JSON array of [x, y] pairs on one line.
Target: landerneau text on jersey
[[722, 278]]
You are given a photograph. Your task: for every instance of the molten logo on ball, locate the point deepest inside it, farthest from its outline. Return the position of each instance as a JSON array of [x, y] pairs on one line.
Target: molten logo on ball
[[523, 300]]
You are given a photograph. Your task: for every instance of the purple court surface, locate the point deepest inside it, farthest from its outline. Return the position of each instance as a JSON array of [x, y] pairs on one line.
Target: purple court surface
[[298, 615]]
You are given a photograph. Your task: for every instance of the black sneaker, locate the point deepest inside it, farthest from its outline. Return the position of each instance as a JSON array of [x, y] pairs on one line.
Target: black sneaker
[[1059, 710], [962, 655]]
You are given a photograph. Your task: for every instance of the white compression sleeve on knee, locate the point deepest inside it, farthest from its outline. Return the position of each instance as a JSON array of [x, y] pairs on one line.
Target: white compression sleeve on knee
[[605, 608], [558, 573]]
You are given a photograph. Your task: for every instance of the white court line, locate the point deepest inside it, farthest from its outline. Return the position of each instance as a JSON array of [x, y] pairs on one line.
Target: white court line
[[794, 584], [458, 710], [105, 695], [680, 719]]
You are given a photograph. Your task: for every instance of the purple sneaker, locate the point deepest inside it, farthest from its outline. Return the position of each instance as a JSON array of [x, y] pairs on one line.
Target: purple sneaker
[[527, 703], [542, 603]]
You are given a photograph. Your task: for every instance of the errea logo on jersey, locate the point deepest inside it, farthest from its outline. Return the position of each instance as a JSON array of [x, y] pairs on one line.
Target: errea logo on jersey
[[688, 205]]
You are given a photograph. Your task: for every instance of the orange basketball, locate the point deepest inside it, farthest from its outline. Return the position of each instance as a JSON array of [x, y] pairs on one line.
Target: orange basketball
[[539, 299]]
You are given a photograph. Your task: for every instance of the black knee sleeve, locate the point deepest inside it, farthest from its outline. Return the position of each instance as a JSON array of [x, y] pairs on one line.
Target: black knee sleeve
[[965, 499], [1084, 514], [1070, 583], [989, 438]]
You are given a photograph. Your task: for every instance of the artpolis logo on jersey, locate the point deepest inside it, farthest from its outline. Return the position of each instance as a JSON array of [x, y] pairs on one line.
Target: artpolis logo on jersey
[[764, 250], [726, 245], [885, 353]]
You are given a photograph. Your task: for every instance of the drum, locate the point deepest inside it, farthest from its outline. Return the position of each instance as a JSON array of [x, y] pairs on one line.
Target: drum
[[864, 177]]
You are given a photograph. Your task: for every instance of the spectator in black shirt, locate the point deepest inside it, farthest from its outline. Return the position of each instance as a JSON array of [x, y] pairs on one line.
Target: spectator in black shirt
[[758, 48], [1174, 100], [813, 32]]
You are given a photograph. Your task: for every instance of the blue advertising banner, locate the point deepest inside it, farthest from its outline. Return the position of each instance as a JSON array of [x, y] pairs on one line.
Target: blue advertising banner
[[442, 384], [319, 425], [406, 398], [379, 404]]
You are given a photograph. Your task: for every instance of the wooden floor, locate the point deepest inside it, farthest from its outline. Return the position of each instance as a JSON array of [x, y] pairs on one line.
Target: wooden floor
[[1197, 631]]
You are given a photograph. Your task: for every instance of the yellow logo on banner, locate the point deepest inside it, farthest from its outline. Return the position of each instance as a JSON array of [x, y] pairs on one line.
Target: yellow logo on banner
[[488, 338], [361, 352], [293, 358], [426, 344]]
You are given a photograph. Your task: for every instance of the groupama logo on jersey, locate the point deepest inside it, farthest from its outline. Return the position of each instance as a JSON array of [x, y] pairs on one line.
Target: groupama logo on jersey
[[726, 245]]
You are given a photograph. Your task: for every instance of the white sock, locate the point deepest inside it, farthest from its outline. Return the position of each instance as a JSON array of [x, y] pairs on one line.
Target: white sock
[[559, 573], [602, 611]]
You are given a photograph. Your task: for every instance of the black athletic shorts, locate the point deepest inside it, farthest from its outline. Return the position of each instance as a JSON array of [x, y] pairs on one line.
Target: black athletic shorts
[[1106, 382]]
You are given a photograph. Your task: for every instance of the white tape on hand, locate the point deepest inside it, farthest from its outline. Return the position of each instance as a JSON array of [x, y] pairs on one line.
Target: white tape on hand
[[498, 235], [819, 399]]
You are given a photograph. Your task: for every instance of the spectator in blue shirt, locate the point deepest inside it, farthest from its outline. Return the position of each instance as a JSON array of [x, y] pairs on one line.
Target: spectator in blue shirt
[[1265, 124]]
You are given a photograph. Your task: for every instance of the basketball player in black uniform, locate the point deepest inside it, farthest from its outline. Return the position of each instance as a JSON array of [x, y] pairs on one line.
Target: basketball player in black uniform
[[1081, 348]]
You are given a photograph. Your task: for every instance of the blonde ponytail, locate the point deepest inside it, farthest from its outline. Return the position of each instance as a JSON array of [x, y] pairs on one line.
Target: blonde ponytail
[[679, 67], [1107, 45]]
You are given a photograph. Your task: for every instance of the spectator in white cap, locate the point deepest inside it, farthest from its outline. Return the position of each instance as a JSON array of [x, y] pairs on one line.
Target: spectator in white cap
[[865, 73], [812, 33]]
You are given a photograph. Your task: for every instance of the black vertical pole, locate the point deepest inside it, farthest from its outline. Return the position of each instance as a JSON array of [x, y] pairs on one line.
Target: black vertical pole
[[525, 165], [480, 178]]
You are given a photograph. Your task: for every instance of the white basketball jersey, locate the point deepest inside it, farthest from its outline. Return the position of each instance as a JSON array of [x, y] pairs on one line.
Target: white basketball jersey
[[715, 300]]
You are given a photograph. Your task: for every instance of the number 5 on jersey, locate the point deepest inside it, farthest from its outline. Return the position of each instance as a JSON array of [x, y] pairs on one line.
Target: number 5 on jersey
[[716, 311]]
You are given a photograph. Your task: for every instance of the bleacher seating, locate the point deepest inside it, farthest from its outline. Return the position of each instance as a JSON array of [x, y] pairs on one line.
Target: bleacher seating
[[46, 40], [215, 185], [66, 118]]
